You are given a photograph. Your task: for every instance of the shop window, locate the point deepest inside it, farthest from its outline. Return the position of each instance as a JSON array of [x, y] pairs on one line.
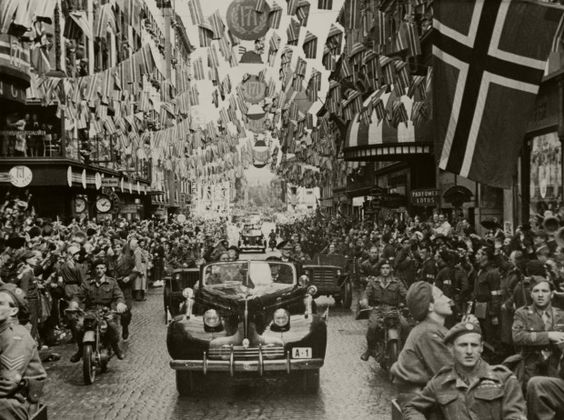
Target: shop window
[[546, 174]]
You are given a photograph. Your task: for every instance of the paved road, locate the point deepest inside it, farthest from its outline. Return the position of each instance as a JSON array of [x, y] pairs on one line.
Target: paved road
[[143, 387]]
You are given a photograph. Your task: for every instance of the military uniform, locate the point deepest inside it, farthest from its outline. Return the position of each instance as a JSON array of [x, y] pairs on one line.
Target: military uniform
[[98, 294], [540, 356], [19, 360], [369, 268], [383, 297], [493, 394], [487, 296], [427, 271]]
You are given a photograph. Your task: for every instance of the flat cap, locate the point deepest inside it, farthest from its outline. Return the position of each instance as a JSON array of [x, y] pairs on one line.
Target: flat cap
[[464, 327]]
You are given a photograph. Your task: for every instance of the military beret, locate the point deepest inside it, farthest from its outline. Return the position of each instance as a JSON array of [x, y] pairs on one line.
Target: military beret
[[419, 296], [17, 295], [98, 262], [534, 280], [463, 327]]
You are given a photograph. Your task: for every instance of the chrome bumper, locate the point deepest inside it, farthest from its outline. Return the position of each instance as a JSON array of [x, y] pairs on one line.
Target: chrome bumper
[[260, 366]]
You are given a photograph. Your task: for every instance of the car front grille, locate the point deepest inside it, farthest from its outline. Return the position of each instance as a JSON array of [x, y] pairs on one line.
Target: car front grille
[[325, 279], [242, 353]]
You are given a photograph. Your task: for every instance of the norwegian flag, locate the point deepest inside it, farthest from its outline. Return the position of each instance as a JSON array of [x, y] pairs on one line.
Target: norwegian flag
[[489, 59]]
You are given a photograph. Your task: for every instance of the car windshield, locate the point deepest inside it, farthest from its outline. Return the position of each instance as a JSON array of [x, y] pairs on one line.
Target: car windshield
[[251, 274], [253, 232]]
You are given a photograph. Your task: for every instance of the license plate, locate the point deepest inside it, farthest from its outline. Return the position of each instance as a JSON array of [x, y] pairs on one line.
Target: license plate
[[301, 353]]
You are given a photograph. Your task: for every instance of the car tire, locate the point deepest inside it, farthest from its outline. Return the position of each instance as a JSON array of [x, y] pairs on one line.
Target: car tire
[[347, 295], [305, 380], [187, 382], [338, 300]]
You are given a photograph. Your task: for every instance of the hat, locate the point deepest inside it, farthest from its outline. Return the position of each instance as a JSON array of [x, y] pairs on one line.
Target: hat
[[534, 280], [535, 268], [464, 327], [285, 245], [17, 295], [419, 296]]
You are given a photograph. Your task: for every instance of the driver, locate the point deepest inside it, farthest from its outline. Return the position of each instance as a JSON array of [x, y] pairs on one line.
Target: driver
[[382, 293], [101, 291]]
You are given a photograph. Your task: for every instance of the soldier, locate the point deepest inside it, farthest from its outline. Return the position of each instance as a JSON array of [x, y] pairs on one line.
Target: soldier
[[101, 291], [424, 352], [371, 266], [453, 281], [487, 297], [471, 388], [428, 269], [21, 374], [382, 293], [536, 329]]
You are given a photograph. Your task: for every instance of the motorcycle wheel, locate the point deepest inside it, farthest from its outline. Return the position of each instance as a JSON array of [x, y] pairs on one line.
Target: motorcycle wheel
[[392, 353], [88, 365]]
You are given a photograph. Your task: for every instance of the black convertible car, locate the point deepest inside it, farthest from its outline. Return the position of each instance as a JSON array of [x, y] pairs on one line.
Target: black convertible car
[[248, 319]]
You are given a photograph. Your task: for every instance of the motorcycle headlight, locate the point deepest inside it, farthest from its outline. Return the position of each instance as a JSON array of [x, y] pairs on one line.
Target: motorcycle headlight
[[188, 293], [212, 318], [281, 317]]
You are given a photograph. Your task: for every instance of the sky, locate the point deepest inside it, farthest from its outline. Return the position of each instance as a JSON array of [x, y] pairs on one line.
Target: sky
[[319, 23]]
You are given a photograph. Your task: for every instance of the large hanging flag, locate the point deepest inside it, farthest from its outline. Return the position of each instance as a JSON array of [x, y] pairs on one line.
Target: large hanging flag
[[325, 4], [293, 32], [275, 16], [489, 59], [302, 12]]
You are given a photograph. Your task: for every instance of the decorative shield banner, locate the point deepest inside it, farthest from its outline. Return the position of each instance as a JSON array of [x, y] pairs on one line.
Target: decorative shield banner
[[254, 90], [255, 123], [245, 22]]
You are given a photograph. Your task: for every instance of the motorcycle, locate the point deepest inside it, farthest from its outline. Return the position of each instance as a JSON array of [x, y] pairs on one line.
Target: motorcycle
[[392, 341], [272, 243], [96, 351]]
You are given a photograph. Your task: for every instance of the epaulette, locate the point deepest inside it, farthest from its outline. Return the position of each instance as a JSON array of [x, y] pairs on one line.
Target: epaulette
[[502, 370]]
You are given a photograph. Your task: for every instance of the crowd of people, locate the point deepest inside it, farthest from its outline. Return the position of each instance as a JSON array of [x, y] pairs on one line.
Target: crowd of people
[[48, 267], [503, 295], [477, 301]]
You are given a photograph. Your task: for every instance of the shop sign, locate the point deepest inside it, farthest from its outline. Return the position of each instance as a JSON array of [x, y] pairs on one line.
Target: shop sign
[[245, 22], [254, 90], [110, 182], [20, 176], [429, 197], [129, 208], [358, 201], [11, 91]]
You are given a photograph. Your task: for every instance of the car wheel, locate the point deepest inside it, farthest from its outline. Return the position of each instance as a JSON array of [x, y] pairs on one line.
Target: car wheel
[[338, 300], [187, 382], [347, 295], [305, 380]]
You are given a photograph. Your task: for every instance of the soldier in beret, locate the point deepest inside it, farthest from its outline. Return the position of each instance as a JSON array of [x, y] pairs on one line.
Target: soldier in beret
[[471, 388], [537, 329], [21, 374], [424, 352]]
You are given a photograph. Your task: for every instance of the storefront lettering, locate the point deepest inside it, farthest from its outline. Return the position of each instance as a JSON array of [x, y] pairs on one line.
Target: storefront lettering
[[12, 92], [425, 197]]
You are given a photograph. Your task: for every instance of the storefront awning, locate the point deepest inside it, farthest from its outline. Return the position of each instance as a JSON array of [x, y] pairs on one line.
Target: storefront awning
[[381, 141]]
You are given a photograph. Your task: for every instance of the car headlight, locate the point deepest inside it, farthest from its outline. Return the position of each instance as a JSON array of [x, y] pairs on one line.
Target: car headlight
[[188, 293], [177, 276], [338, 273], [303, 280], [281, 317], [211, 318]]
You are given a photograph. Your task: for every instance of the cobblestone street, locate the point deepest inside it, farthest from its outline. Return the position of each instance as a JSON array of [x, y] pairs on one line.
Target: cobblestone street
[[143, 386]]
